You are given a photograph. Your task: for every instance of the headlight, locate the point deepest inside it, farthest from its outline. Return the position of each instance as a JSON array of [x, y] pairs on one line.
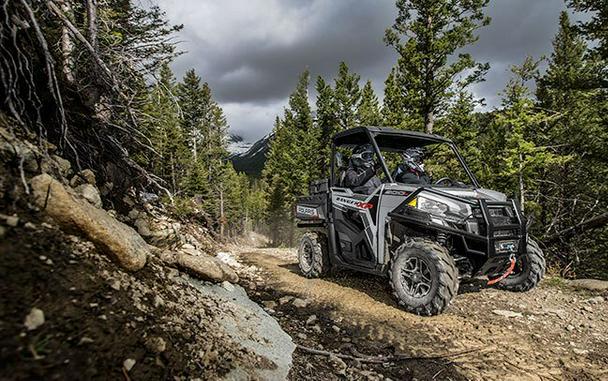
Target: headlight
[[451, 210]]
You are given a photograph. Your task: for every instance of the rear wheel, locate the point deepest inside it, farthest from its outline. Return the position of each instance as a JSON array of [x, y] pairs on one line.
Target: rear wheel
[[313, 256], [529, 270], [423, 276]]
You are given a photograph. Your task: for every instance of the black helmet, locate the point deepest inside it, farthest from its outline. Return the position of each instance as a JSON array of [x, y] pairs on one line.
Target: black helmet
[[413, 159], [363, 156]]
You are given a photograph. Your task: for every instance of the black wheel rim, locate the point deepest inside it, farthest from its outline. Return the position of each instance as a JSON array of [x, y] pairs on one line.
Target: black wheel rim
[[416, 277], [306, 257]]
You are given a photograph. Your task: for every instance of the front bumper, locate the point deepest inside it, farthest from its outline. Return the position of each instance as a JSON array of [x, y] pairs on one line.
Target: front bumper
[[496, 230]]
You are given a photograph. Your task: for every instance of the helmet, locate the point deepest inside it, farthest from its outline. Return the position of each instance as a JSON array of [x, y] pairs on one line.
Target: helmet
[[363, 156], [413, 159]]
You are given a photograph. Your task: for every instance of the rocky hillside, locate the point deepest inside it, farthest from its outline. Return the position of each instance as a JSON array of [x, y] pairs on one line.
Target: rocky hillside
[[89, 293]]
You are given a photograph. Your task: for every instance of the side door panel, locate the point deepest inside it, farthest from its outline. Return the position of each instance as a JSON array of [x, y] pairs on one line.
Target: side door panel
[[355, 225]]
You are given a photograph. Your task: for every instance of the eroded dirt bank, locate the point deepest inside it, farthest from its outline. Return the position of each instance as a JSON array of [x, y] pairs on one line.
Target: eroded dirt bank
[[550, 333]]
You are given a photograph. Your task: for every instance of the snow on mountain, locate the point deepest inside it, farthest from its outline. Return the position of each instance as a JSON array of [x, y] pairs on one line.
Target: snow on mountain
[[237, 145]]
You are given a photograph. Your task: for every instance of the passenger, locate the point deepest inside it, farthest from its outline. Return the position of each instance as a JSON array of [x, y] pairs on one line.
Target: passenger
[[411, 171], [361, 173]]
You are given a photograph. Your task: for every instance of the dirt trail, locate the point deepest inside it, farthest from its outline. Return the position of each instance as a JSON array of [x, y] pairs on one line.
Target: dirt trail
[[554, 333]]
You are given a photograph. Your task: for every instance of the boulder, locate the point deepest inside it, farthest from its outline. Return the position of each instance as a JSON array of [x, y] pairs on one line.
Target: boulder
[[73, 214], [167, 256], [86, 176], [206, 267], [10, 147], [143, 228], [299, 303], [249, 325], [133, 214], [164, 233], [63, 166], [89, 193]]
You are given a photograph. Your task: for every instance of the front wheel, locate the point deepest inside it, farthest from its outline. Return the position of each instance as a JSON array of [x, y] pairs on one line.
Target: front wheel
[[423, 276], [313, 256], [529, 270]]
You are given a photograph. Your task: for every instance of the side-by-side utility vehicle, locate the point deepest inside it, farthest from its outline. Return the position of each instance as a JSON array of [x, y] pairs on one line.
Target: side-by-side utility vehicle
[[422, 236]]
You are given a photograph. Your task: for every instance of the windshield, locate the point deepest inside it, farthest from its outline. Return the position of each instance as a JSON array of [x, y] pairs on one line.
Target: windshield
[[432, 164]]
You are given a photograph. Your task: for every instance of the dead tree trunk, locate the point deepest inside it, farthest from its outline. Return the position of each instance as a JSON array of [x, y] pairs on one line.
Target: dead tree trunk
[[566, 234], [93, 93], [222, 217], [92, 23], [67, 46]]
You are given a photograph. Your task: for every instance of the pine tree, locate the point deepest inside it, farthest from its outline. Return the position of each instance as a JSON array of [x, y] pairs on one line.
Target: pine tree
[[214, 140], [193, 100], [567, 67], [426, 35], [326, 123], [461, 125], [214, 157], [594, 27], [569, 90], [163, 126], [298, 113], [563, 90], [292, 159], [368, 110], [233, 193], [393, 110], [347, 95], [277, 170], [522, 160], [257, 204]]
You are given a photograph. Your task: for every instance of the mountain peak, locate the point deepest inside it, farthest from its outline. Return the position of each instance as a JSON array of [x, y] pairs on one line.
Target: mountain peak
[[253, 159]]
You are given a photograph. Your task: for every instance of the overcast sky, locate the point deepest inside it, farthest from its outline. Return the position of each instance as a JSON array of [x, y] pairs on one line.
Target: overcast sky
[[251, 51]]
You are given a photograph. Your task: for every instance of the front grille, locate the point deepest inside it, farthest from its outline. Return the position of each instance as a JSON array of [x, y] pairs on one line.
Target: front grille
[[502, 215], [503, 218], [504, 221], [505, 233], [501, 221]]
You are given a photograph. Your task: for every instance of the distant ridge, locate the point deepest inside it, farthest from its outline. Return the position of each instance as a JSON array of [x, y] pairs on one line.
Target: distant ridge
[[252, 161]]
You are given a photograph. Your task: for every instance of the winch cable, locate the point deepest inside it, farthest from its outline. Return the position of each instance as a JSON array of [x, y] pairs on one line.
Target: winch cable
[[506, 274]]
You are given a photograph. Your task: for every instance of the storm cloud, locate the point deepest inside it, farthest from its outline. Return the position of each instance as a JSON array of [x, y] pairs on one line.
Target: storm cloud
[[252, 51]]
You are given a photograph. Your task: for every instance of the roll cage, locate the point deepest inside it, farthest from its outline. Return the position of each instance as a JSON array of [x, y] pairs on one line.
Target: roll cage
[[390, 139]]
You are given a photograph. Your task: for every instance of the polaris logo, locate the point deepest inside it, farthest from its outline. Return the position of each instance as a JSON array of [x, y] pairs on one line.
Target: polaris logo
[[306, 211]]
